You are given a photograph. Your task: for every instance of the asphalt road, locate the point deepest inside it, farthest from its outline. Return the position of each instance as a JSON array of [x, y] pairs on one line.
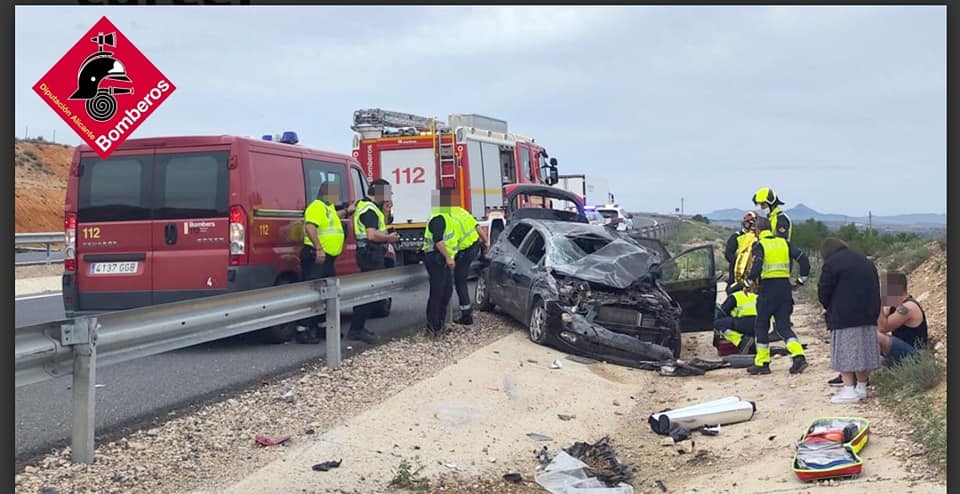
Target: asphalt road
[[136, 392]]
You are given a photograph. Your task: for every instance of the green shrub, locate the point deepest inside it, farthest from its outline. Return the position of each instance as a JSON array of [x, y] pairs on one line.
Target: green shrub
[[913, 375], [407, 477]]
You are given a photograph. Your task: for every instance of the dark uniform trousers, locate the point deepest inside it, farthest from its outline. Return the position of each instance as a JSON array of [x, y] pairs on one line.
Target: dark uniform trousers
[[743, 325], [369, 258], [774, 299], [310, 270], [463, 261], [441, 288]]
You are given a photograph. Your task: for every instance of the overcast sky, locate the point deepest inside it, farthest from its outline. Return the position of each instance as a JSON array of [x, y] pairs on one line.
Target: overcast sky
[[832, 106]]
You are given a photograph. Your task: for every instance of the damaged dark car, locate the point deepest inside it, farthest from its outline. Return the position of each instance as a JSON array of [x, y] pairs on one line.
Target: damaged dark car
[[587, 290]]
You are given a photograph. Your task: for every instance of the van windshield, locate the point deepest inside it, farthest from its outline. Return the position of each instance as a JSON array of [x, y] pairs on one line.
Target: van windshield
[[162, 186]]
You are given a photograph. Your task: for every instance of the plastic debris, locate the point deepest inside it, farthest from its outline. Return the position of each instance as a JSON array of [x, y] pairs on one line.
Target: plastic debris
[[556, 365], [565, 417], [602, 460], [710, 430], [327, 465], [539, 437], [513, 478], [568, 475], [662, 486], [266, 441]]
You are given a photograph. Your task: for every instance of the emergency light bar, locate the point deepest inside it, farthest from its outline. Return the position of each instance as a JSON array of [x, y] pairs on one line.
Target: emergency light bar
[[288, 137]]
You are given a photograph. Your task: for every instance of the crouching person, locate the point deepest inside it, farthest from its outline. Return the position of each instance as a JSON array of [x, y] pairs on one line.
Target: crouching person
[[738, 318], [902, 325]]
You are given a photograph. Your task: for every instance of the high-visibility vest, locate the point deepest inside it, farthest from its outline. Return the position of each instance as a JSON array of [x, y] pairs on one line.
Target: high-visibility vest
[[359, 230], [774, 216], [329, 228], [746, 304], [468, 225], [451, 232], [776, 256]]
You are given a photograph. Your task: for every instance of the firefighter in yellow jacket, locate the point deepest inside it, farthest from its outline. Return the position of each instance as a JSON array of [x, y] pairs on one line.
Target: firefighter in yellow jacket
[[737, 251], [770, 270], [780, 223], [738, 320]]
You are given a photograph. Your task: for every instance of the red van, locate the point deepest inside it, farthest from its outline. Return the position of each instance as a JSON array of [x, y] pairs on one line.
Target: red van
[[173, 218]]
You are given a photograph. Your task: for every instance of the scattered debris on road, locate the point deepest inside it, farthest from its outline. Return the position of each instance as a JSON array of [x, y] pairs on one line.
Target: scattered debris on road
[[267, 441], [565, 417], [326, 466], [539, 437], [513, 478]]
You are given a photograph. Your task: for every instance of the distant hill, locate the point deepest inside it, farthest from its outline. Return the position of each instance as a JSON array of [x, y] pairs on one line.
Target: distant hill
[[802, 212]]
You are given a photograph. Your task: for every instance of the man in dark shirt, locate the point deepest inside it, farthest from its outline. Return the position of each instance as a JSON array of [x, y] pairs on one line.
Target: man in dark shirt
[[370, 229], [902, 325]]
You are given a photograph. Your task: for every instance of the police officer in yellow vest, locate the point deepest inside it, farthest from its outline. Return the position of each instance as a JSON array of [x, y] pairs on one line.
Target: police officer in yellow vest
[[739, 319], [780, 223], [370, 229], [771, 270], [321, 226], [739, 243], [440, 243], [472, 241]]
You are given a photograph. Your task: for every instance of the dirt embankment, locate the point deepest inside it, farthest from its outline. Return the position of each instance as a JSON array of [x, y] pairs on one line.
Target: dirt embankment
[[40, 185]]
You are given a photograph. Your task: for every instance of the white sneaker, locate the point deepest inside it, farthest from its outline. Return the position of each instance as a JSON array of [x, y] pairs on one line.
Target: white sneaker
[[862, 393], [846, 395]]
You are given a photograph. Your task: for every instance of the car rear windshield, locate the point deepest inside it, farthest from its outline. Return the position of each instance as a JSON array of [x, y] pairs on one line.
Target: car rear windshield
[[145, 187]]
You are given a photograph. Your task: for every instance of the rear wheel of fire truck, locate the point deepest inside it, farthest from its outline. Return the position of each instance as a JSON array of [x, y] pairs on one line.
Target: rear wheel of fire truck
[[481, 295], [382, 309], [280, 333]]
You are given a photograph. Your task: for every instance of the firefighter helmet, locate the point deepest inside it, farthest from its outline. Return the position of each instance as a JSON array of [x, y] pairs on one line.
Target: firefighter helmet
[[96, 70], [767, 196], [749, 220]]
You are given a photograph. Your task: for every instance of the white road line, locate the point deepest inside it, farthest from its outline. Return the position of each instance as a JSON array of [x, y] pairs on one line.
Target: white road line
[[42, 295]]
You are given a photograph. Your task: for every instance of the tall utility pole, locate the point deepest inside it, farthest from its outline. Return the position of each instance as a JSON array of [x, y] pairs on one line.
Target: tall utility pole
[[870, 222], [681, 207], [54, 140]]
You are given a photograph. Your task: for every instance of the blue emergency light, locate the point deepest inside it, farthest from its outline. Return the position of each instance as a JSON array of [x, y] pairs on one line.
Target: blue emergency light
[[288, 137]]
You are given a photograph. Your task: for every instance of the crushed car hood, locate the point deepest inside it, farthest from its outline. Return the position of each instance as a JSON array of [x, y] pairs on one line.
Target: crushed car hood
[[618, 264]]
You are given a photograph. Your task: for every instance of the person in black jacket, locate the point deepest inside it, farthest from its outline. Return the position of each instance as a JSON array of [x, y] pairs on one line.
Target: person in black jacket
[[849, 290]]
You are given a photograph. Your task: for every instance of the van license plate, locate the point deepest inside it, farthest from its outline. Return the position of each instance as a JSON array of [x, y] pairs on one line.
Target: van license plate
[[114, 268]]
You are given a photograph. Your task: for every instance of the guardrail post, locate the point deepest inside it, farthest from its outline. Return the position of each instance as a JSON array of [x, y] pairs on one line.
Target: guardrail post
[[82, 336], [48, 252], [330, 292]]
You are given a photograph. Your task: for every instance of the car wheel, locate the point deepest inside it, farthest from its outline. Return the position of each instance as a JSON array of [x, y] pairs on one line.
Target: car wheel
[[280, 333], [537, 327], [481, 296], [382, 309]]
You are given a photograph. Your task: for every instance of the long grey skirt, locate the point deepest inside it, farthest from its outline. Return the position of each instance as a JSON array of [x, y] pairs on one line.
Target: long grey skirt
[[854, 349]]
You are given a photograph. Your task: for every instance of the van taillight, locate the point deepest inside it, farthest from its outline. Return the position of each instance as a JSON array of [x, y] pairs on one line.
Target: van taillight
[[70, 242], [238, 236]]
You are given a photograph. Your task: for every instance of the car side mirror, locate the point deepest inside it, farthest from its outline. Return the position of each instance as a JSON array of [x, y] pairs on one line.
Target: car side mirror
[[554, 175]]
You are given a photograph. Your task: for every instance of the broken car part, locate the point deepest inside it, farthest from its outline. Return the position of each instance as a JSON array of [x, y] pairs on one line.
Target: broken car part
[[513, 478], [602, 460], [729, 410], [327, 465], [568, 475]]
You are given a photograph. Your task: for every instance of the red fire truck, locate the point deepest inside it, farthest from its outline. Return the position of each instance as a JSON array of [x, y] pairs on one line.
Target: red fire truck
[[473, 154]]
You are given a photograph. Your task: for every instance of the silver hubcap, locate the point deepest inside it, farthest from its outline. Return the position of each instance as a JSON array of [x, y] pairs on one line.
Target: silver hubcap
[[536, 323]]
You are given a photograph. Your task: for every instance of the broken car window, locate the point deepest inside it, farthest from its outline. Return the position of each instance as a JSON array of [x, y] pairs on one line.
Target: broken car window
[[518, 233], [567, 250], [536, 248]]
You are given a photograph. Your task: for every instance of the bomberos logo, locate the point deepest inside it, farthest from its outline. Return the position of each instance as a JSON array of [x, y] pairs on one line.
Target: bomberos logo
[[104, 87]]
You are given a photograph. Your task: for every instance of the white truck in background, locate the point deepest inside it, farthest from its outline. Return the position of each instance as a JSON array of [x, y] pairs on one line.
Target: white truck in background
[[594, 189]]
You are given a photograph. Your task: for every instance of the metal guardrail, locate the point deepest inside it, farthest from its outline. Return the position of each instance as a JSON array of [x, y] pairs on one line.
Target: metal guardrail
[[76, 347], [659, 230], [44, 238]]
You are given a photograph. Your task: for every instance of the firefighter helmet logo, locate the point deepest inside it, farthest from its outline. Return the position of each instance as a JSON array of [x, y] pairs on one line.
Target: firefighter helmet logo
[[101, 66], [105, 91]]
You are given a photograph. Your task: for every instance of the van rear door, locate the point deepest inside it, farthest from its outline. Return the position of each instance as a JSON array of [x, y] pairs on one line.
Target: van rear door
[[190, 223], [114, 237]]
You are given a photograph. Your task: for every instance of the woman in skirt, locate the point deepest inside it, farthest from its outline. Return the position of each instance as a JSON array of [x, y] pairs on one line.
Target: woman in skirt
[[849, 290]]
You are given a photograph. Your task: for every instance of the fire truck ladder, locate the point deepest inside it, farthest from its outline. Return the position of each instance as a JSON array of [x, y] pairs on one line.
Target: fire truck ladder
[[445, 154], [383, 118]]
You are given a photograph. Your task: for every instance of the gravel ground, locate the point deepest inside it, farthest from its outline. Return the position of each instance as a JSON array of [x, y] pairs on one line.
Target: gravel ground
[[216, 443]]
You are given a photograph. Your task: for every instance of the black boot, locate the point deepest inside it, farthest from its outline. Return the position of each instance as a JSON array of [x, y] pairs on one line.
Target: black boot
[[799, 363], [364, 335], [755, 369], [466, 317]]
